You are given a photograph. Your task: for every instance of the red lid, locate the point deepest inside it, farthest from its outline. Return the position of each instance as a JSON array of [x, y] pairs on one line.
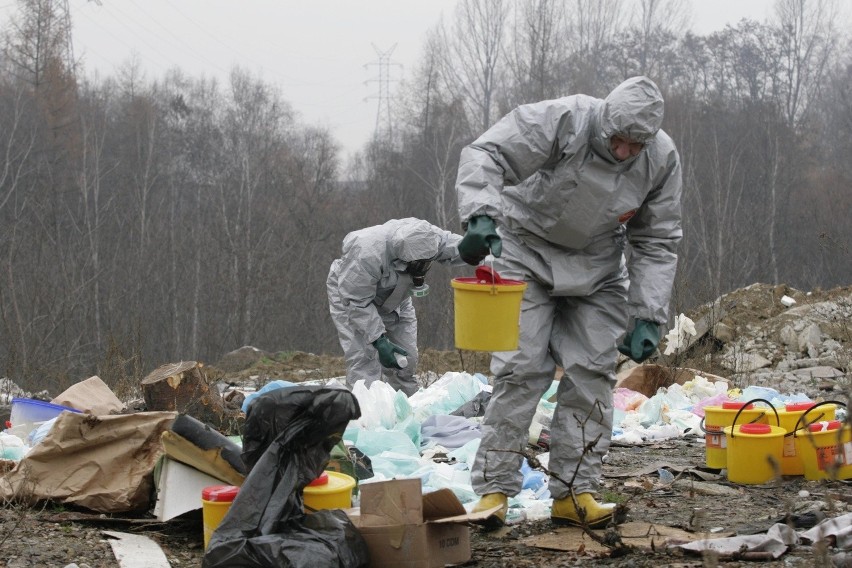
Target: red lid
[[735, 405], [755, 429], [798, 406], [478, 282], [822, 426], [321, 480], [222, 493]]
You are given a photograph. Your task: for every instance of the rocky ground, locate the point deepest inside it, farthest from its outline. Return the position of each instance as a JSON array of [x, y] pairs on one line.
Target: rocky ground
[[749, 337]]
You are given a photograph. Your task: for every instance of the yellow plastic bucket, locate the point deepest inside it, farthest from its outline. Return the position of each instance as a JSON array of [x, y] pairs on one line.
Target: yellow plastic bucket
[[331, 490], [754, 452], [487, 311], [716, 418], [215, 502], [826, 450], [790, 418]]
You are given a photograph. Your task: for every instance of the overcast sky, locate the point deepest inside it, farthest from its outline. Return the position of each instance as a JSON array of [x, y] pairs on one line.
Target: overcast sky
[[318, 52]]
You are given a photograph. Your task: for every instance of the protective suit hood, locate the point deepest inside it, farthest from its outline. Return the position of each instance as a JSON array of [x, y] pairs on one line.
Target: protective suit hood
[[414, 240], [633, 109]]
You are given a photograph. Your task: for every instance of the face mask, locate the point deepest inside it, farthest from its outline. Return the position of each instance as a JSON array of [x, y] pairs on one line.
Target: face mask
[[418, 269]]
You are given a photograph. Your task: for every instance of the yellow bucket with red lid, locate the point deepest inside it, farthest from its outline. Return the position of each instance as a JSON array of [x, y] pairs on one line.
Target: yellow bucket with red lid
[[716, 418], [790, 417], [754, 452], [215, 502], [754, 449], [825, 446], [487, 311], [331, 490]]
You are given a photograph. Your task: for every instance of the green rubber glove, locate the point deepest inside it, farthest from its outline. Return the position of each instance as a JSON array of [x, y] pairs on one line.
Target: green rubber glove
[[387, 353], [641, 343], [480, 239]]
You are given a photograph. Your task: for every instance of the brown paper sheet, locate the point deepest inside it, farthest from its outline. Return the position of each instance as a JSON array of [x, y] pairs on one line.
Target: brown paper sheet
[[101, 463]]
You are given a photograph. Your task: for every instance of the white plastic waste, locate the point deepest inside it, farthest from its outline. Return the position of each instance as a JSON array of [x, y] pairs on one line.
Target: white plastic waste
[[445, 395], [11, 447], [677, 338]]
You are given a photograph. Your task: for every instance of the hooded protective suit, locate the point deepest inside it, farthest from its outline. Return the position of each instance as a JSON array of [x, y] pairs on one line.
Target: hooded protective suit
[[565, 206], [368, 294]]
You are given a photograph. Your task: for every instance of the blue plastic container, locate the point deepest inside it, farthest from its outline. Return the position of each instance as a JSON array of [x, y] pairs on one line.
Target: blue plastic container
[[27, 413]]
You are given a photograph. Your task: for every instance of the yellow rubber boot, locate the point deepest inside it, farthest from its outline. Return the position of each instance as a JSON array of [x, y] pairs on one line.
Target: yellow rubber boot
[[489, 501], [596, 515]]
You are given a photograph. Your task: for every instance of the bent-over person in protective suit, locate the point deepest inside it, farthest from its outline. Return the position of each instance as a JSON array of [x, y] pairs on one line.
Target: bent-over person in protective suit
[[556, 190], [369, 296]]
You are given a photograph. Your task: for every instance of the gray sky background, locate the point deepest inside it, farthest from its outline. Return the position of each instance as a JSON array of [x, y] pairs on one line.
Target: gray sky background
[[316, 51]]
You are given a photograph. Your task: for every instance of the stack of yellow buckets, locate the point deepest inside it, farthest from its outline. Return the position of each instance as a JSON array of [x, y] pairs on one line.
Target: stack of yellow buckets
[[805, 440]]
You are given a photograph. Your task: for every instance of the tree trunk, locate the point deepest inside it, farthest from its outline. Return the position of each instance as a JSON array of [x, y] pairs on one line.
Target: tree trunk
[[183, 387]]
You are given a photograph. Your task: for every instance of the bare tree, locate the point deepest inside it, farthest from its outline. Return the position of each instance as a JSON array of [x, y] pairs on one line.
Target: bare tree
[[255, 125], [475, 44], [592, 27], [808, 37], [538, 44]]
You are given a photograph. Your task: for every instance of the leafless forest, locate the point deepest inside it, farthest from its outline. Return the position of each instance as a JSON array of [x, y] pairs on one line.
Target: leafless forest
[[145, 221]]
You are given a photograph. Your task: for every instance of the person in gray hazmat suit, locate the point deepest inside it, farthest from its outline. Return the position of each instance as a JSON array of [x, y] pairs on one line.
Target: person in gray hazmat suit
[[369, 295], [554, 191]]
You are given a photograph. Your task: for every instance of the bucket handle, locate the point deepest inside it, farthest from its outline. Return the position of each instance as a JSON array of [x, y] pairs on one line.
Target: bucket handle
[[701, 422], [805, 413], [488, 275], [743, 407], [809, 434]]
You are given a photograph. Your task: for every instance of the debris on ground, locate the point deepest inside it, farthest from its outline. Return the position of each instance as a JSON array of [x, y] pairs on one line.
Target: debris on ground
[[761, 342]]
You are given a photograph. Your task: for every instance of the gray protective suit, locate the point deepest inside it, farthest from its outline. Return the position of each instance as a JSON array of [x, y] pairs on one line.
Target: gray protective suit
[[368, 294], [564, 207]]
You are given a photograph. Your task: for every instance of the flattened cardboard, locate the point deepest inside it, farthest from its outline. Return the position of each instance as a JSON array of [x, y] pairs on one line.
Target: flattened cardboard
[[404, 528], [641, 535]]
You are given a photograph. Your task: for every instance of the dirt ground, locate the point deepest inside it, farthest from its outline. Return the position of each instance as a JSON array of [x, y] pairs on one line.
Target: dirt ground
[[696, 501], [57, 536]]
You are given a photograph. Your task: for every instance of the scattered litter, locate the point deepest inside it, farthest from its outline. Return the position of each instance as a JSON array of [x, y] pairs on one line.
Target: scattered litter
[[775, 542], [677, 338], [705, 488], [640, 535], [136, 551], [666, 477]]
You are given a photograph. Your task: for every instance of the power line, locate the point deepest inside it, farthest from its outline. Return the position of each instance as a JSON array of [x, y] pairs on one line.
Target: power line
[[384, 124]]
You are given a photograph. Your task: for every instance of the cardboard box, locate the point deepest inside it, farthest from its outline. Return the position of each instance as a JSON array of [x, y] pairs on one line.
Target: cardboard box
[[406, 529]]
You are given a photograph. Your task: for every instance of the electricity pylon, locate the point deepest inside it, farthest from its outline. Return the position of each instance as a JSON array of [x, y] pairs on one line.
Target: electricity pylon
[[384, 123]]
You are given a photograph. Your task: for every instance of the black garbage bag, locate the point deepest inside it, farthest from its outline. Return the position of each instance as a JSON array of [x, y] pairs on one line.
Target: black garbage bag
[[288, 435]]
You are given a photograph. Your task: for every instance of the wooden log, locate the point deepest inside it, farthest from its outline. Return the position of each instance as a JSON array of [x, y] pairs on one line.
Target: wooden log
[[183, 387]]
